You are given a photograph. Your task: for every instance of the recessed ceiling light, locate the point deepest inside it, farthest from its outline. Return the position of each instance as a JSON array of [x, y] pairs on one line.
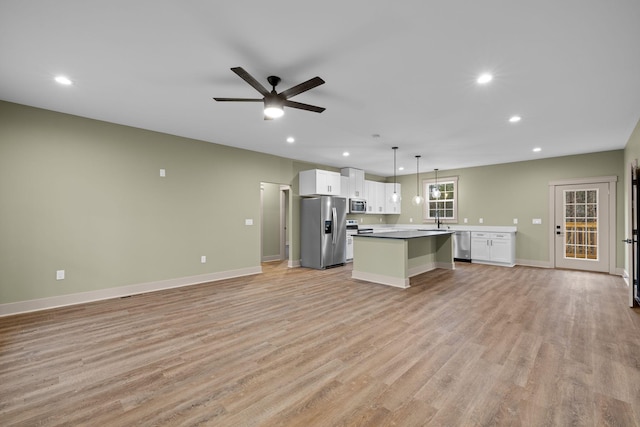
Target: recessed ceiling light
[[484, 78], [537, 150], [515, 119], [63, 80], [346, 154], [291, 140]]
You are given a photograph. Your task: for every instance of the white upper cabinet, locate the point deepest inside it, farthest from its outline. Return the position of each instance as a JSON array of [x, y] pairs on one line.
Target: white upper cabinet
[[370, 195], [318, 182], [344, 187], [391, 207], [356, 182], [377, 196]]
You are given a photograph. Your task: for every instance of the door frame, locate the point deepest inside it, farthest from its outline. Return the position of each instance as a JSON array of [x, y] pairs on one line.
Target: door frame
[[612, 183], [630, 274], [285, 228]]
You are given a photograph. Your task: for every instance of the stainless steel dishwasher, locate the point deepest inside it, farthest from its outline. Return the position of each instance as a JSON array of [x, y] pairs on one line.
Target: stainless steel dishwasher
[[462, 246]]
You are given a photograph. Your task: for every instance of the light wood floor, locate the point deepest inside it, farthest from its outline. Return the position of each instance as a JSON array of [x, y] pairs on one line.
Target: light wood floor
[[480, 345]]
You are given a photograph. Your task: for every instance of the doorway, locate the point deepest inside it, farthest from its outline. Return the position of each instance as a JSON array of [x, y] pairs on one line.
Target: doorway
[[274, 222], [584, 224]]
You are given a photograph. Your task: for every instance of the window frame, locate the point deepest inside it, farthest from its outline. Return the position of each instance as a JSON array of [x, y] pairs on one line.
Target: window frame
[[426, 184]]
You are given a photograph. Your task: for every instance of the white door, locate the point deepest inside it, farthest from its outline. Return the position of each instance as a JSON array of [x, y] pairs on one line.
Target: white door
[[582, 226]]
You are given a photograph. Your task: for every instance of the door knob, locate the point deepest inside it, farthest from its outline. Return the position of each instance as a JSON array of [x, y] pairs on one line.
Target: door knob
[[630, 241]]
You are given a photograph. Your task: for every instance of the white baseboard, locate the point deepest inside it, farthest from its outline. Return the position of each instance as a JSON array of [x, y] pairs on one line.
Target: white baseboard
[[534, 263], [381, 279], [271, 258], [294, 263], [121, 291], [419, 269]]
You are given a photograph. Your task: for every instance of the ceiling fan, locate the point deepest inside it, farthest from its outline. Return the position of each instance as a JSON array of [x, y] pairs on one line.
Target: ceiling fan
[[274, 102]]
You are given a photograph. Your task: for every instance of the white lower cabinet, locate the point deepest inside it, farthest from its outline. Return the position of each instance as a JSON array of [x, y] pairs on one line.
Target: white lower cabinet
[[493, 248]]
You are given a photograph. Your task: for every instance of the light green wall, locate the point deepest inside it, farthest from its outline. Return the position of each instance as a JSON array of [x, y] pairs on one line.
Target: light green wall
[[270, 220], [85, 196], [500, 193]]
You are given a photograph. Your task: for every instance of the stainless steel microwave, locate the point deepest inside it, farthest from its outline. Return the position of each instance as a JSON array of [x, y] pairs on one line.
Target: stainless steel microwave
[[357, 206]]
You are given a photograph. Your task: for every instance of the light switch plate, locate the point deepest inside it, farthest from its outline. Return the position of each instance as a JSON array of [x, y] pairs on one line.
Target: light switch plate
[[466, 220], [481, 220], [248, 221], [163, 173], [536, 221], [59, 274], [515, 220], [203, 259]]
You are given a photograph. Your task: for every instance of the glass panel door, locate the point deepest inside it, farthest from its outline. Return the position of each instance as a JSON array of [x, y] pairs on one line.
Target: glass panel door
[[582, 226]]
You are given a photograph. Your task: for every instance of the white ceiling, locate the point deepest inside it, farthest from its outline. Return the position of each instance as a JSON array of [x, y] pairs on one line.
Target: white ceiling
[[405, 70]]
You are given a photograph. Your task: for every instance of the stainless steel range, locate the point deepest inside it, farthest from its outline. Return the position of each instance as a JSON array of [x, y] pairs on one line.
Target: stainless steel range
[[352, 229]]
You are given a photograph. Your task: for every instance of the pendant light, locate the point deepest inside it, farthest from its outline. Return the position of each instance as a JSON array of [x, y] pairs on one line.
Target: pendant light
[[417, 200], [435, 193], [395, 197]]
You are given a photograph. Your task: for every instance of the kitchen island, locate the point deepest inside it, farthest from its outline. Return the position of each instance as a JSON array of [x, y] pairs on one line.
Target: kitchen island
[[392, 258]]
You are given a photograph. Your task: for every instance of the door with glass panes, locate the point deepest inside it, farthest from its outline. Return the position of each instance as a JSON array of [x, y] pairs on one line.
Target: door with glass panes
[[582, 226]]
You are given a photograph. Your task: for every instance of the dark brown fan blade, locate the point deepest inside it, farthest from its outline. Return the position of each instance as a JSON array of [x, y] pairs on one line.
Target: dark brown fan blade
[[240, 99], [301, 106], [249, 79], [302, 87]]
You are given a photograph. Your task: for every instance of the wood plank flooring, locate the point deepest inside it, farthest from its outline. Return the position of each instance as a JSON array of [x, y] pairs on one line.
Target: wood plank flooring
[[477, 346]]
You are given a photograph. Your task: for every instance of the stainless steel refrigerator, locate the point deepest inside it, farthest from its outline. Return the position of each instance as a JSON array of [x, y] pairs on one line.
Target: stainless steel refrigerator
[[323, 231]]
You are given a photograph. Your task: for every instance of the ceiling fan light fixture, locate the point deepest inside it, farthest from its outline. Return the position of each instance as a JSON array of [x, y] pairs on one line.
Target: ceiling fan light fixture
[[273, 106], [273, 112]]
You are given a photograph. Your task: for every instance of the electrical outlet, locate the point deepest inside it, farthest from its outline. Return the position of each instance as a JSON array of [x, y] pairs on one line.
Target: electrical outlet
[[248, 221], [410, 219], [163, 173], [466, 220], [481, 221], [60, 275], [515, 220], [203, 259], [536, 221]]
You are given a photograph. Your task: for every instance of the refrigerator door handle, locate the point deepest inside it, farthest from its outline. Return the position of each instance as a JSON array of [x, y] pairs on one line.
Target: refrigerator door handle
[[334, 217]]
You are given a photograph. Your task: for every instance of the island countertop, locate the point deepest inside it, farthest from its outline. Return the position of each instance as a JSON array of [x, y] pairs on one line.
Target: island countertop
[[392, 258], [406, 234]]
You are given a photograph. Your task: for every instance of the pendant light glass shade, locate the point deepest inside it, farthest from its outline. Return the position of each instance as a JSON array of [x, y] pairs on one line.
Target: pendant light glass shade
[[395, 197], [417, 199], [435, 193]]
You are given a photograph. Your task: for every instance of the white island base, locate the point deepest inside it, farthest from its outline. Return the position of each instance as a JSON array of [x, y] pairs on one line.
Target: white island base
[[393, 258]]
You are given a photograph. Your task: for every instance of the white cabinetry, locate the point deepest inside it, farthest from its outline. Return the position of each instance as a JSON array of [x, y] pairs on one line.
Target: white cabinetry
[[356, 182], [389, 206], [344, 186], [378, 195], [319, 182], [374, 193], [493, 248]]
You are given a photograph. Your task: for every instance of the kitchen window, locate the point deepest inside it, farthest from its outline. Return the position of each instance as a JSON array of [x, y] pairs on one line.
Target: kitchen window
[[444, 207]]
